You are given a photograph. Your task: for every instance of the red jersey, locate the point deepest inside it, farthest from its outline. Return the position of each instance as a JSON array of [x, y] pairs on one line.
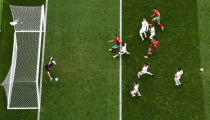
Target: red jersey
[[117, 39], [157, 13], [154, 45]]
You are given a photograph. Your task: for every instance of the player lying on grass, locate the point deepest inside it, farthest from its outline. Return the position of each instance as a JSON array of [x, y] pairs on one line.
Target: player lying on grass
[[144, 71], [135, 90], [117, 43], [122, 51], [48, 67], [157, 18], [154, 45], [144, 28], [152, 31], [178, 76]]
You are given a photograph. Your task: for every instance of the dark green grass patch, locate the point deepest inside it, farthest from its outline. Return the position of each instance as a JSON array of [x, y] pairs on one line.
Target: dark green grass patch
[[179, 47]]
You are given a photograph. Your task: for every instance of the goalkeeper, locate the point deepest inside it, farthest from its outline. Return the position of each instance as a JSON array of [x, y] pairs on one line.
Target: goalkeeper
[[48, 67]]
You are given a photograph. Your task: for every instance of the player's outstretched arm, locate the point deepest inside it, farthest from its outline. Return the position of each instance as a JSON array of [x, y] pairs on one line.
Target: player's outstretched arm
[[153, 15], [111, 41]]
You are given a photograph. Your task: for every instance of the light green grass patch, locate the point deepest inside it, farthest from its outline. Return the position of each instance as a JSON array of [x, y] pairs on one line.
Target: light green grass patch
[[204, 36]]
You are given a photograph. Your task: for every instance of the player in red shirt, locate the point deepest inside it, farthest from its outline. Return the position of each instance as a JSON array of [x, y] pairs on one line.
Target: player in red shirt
[[117, 43], [154, 45], [157, 18]]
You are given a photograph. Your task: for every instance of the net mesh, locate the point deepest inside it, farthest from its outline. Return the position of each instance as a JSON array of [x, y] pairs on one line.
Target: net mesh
[[29, 17], [21, 83]]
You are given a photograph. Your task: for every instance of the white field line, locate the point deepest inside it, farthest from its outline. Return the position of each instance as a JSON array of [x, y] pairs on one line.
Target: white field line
[[42, 62], [39, 52], [120, 71]]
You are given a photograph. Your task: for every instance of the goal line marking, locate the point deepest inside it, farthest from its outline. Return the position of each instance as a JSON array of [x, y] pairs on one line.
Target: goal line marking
[[42, 62]]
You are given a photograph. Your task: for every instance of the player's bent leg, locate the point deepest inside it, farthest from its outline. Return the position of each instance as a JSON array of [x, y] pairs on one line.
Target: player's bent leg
[[151, 36], [176, 82], [127, 53], [133, 93], [161, 26], [49, 75], [145, 34], [148, 73], [153, 21], [139, 74], [140, 33], [115, 55], [179, 82], [139, 94]]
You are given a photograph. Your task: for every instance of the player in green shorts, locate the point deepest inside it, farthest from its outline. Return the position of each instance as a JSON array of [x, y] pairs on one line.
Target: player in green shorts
[[117, 44], [157, 18]]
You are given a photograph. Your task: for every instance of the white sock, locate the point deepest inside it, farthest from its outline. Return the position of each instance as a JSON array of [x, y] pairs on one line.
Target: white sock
[[115, 55]]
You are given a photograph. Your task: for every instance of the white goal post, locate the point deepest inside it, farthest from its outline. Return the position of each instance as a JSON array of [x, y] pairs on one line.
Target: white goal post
[[22, 81]]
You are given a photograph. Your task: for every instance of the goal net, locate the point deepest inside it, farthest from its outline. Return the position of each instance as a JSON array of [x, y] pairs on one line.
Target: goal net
[[21, 83]]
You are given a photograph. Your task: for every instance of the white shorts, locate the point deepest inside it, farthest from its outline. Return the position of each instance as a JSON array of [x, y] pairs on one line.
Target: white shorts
[[133, 92], [142, 30], [176, 79]]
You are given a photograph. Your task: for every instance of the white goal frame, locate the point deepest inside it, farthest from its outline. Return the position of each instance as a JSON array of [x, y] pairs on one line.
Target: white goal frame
[[9, 85]]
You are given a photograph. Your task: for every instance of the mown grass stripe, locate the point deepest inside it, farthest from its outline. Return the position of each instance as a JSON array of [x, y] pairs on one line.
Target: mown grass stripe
[[204, 36]]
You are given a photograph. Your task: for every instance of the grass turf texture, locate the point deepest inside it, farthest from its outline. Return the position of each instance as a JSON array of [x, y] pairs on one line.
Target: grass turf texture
[[179, 47], [204, 24], [1, 8], [77, 35]]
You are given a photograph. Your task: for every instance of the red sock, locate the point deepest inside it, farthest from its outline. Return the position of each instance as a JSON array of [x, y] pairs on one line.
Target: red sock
[[147, 54], [160, 25], [152, 22]]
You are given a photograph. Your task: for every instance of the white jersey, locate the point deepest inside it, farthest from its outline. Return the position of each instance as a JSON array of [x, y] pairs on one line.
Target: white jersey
[[124, 48], [136, 87], [179, 74], [144, 69], [145, 25], [152, 30]]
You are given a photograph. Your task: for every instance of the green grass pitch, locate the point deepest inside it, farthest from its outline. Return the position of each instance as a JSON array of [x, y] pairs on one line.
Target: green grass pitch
[[88, 86], [179, 47]]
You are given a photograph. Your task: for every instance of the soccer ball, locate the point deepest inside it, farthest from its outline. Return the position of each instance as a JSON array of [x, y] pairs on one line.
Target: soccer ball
[[56, 79], [201, 69]]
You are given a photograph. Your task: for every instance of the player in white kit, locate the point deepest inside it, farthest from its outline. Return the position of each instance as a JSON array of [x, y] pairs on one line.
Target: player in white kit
[[144, 29], [15, 22], [178, 76], [135, 90], [122, 51], [144, 71], [152, 32]]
